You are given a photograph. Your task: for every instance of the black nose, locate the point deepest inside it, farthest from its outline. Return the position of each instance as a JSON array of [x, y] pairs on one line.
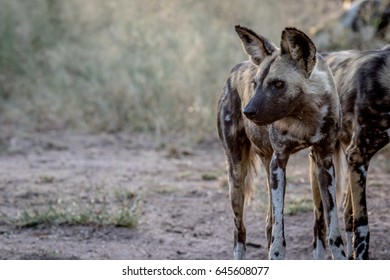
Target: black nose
[[249, 112]]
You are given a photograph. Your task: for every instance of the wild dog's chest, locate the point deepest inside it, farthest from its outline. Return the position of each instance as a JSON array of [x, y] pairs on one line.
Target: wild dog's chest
[[268, 138]]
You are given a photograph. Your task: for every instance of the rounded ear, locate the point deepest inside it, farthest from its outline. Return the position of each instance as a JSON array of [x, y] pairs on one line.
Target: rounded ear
[[299, 47], [256, 46]]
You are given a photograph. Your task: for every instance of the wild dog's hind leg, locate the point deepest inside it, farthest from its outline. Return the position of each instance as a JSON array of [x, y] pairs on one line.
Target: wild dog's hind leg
[[268, 227], [365, 143], [348, 221], [319, 240], [239, 158], [358, 175], [344, 183], [325, 172], [238, 169]]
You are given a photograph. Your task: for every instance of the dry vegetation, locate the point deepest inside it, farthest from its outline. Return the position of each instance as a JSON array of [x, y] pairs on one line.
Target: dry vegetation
[[116, 65]]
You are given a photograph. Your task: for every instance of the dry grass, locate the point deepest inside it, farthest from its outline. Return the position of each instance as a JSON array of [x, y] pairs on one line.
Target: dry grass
[[128, 65], [119, 209]]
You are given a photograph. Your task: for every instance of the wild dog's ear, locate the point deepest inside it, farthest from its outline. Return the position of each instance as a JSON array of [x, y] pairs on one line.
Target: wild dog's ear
[[300, 48], [256, 46]]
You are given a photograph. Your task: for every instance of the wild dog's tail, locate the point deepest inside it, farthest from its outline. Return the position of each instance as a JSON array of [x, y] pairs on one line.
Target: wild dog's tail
[[251, 172], [340, 164]]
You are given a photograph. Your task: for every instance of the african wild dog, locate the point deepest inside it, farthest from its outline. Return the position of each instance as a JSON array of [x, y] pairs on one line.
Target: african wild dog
[[281, 101], [363, 83]]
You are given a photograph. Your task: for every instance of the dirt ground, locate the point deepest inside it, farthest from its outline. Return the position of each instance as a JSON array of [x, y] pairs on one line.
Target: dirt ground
[[179, 196]]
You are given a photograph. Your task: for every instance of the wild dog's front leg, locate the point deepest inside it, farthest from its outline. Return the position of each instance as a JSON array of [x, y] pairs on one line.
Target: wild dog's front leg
[[327, 185], [276, 191]]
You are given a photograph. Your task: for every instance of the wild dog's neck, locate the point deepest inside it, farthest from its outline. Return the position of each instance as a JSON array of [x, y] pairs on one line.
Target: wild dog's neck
[[305, 120]]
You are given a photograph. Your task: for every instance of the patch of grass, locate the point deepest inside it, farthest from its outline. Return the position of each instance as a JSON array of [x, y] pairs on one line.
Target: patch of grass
[[96, 212], [209, 176]]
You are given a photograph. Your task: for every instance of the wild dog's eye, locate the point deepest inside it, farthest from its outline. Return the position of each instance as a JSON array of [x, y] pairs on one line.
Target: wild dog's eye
[[278, 84]]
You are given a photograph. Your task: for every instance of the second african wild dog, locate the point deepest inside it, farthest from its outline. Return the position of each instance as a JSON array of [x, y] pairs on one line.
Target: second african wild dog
[[281, 101], [363, 83]]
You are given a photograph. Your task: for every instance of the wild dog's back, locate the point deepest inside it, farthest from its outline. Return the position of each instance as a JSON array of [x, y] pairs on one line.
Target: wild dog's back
[[230, 104], [363, 84]]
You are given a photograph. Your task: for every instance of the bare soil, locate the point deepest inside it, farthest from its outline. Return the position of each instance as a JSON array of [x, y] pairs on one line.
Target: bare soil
[[182, 205]]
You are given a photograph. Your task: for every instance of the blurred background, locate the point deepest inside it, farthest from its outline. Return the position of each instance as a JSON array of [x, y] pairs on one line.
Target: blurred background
[[149, 66]]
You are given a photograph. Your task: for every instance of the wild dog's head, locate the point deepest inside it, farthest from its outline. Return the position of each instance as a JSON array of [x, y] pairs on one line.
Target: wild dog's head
[[282, 73]]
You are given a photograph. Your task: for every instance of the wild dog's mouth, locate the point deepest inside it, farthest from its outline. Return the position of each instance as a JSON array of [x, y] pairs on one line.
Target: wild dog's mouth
[[259, 121], [263, 123]]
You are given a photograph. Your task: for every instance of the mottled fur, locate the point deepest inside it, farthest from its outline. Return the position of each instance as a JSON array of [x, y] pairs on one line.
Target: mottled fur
[[363, 84], [281, 101]]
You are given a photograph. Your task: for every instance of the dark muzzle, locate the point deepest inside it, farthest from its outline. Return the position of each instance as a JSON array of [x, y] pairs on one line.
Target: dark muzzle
[[250, 112]]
